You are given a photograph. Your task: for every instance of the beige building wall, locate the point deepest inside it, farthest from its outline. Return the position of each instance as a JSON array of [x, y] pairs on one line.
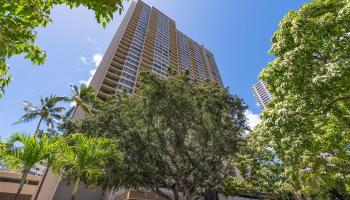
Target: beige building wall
[[109, 76], [49, 186]]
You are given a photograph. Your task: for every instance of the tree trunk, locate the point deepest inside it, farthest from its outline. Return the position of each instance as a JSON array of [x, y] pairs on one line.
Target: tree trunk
[[188, 195], [297, 195], [70, 118], [75, 188], [23, 180], [176, 194], [74, 111], [42, 182], [37, 128]]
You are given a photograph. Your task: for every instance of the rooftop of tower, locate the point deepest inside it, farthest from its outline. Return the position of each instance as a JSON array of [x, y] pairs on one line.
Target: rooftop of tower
[[153, 7]]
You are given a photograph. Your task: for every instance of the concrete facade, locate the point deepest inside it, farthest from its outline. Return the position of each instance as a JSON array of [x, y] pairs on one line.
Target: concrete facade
[[261, 93], [148, 40], [9, 183]]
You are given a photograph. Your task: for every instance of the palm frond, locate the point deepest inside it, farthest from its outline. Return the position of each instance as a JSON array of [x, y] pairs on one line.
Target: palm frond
[[29, 106], [57, 117], [16, 137], [70, 112], [43, 100], [53, 100], [75, 90], [64, 99], [85, 156], [50, 122], [57, 109], [27, 118], [48, 109], [31, 150]]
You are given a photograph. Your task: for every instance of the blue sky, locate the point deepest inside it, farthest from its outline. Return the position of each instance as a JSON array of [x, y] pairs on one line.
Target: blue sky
[[238, 32]]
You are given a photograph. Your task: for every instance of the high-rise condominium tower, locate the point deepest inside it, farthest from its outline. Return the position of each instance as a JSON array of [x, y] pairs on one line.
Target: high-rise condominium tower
[[148, 39], [262, 95]]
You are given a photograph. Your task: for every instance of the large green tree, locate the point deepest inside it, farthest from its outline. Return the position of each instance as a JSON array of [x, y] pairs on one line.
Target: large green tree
[[19, 20], [307, 124], [174, 133], [261, 170]]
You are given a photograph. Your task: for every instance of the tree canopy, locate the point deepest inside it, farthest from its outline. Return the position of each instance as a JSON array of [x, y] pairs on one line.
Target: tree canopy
[[20, 18], [307, 123], [262, 171], [174, 133]]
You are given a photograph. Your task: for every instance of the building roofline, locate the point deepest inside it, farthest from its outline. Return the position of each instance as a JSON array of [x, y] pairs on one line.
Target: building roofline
[[151, 6]]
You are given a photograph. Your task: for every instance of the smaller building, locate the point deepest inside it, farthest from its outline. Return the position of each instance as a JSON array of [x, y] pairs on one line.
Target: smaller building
[[37, 170], [9, 183], [261, 93]]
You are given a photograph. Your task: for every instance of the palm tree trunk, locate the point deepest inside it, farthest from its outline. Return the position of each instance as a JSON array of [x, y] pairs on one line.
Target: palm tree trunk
[[74, 111], [70, 118], [23, 180], [42, 182], [37, 128], [75, 188]]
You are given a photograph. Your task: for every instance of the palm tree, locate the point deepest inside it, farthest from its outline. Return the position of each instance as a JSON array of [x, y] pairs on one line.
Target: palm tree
[[2, 151], [54, 153], [32, 150], [83, 97], [47, 112], [85, 159]]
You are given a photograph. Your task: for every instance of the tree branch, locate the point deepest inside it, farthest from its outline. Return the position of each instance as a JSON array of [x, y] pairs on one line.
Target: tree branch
[[160, 193]]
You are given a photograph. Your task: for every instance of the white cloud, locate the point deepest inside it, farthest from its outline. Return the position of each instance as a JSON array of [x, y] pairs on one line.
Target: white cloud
[[72, 104], [83, 60], [92, 72], [253, 119], [94, 43], [96, 60], [91, 41]]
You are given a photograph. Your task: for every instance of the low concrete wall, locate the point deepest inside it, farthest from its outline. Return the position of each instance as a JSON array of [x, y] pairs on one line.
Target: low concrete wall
[[11, 196], [223, 197], [64, 191]]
